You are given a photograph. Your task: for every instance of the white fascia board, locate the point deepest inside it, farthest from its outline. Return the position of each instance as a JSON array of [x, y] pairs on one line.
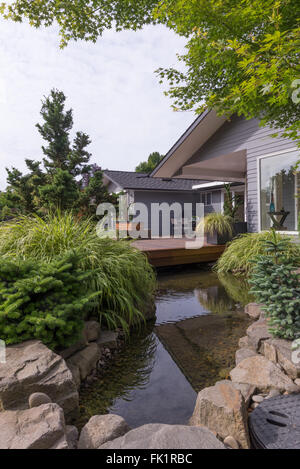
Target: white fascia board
[[210, 184]]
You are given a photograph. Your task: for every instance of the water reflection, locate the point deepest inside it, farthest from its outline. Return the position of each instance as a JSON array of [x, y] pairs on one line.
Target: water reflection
[[192, 345]]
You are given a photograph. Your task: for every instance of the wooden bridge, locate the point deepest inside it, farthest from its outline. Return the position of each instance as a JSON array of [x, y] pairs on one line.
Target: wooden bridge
[[171, 251]]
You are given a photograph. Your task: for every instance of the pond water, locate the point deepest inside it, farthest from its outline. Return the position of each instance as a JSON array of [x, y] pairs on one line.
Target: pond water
[[192, 345]]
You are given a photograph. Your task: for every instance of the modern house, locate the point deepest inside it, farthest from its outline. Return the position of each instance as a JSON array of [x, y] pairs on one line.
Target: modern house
[[143, 188], [212, 152], [241, 152]]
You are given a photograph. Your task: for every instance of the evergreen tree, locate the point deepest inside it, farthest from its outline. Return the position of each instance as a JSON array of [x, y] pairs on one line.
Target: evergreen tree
[[66, 180], [149, 165]]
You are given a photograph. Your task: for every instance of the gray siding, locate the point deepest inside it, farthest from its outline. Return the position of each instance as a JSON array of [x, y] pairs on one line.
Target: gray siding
[[241, 134], [148, 197]]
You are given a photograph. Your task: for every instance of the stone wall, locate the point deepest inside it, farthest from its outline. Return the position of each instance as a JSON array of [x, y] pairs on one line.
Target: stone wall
[[264, 369]]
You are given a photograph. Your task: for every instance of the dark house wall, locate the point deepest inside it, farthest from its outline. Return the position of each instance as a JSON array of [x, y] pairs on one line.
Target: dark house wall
[[240, 134], [148, 197]]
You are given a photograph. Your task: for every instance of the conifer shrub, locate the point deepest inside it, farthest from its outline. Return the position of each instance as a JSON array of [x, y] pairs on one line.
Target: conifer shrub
[[45, 301], [276, 284], [120, 274]]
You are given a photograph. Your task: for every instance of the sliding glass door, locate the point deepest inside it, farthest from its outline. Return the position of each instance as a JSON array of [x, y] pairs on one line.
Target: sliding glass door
[[279, 188]]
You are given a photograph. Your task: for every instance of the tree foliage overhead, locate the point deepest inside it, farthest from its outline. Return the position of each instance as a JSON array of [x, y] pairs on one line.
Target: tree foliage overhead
[[82, 19], [242, 56], [149, 165], [64, 179]]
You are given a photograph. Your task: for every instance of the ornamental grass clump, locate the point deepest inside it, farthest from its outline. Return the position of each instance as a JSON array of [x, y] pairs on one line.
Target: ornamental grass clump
[[276, 284], [239, 253], [216, 223], [121, 275]]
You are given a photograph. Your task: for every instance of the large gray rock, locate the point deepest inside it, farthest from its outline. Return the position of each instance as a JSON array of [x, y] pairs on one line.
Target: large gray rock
[[72, 436], [263, 374], [246, 390], [75, 372], [38, 398], [100, 429], [280, 351], [70, 351], [243, 353], [243, 342], [253, 310], [257, 333], [221, 408], [86, 360], [42, 427], [91, 331], [160, 436], [108, 339], [31, 367]]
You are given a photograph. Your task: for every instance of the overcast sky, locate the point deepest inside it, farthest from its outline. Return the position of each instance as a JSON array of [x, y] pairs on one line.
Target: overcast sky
[[111, 87]]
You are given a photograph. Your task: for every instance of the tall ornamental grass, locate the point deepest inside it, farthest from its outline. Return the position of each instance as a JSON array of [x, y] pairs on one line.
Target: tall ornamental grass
[[216, 223], [239, 254], [123, 277]]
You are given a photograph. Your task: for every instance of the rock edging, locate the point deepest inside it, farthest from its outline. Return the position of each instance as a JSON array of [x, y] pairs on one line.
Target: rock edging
[[264, 368]]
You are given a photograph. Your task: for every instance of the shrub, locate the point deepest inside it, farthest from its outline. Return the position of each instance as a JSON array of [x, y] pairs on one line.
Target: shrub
[[216, 223], [45, 301], [276, 285], [239, 252], [121, 274]]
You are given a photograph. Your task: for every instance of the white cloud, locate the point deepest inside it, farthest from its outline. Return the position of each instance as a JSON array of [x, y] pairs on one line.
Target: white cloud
[[111, 87]]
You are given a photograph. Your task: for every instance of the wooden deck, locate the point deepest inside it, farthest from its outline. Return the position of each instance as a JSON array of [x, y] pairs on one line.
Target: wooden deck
[[167, 252]]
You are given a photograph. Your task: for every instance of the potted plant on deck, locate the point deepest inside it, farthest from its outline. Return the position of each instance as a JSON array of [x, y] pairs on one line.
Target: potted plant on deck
[[217, 228]]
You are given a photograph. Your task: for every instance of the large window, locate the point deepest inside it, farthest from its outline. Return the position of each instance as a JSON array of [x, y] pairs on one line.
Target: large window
[[279, 187]]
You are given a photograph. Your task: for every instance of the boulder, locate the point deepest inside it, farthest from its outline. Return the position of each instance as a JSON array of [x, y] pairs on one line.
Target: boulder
[[91, 331], [86, 360], [243, 353], [243, 342], [42, 427], [247, 391], [72, 436], [75, 373], [257, 333], [263, 374], [38, 398], [149, 310], [221, 408], [280, 351], [100, 429], [30, 368], [161, 436], [254, 310], [258, 398], [108, 339], [79, 345], [231, 442]]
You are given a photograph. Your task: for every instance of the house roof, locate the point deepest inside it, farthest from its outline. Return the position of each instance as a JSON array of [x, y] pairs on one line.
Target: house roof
[[142, 181], [192, 139]]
